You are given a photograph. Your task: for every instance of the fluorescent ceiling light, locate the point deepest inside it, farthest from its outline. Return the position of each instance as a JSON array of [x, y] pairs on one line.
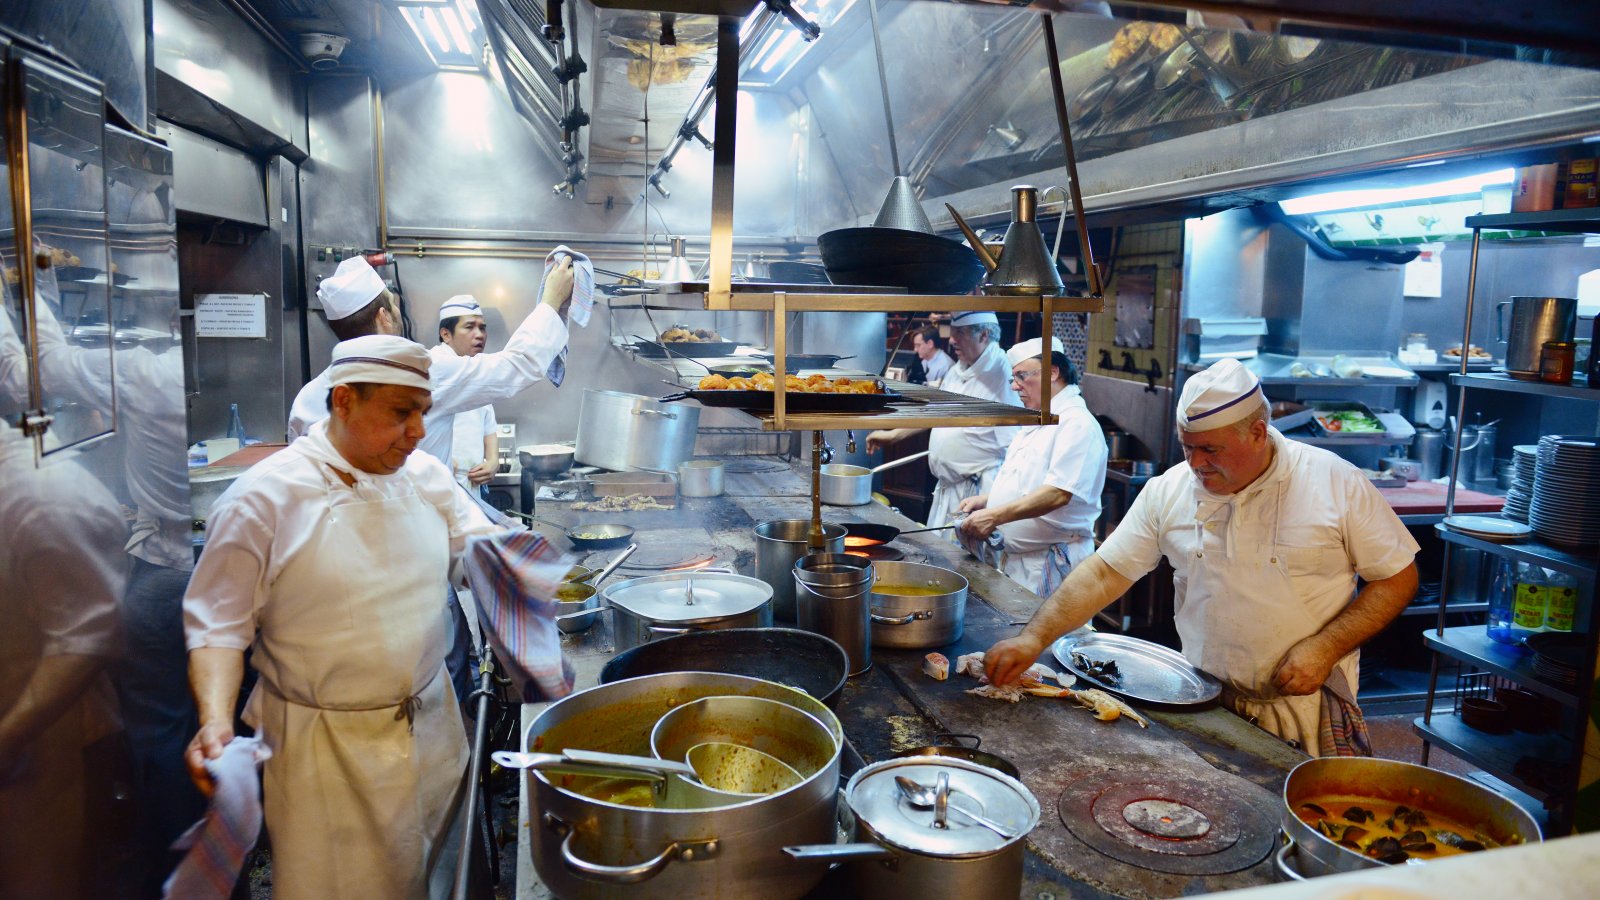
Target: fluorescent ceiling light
[[790, 39], [1356, 199], [448, 31], [434, 28], [457, 34]]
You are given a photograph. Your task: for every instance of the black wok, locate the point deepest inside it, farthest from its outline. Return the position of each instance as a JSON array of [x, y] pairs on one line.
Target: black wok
[[892, 257], [949, 746], [796, 361], [799, 659], [871, 534], [791, 272], [689, 349]]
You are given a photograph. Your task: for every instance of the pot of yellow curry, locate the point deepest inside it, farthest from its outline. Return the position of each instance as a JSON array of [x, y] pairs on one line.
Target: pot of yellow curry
[[915, 605], [1342, 814]]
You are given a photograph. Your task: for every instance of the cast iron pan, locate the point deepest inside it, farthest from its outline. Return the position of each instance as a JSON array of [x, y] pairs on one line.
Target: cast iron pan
[[794, 361], [798, 659], [791, 272], [971, 754], [892, 257], [691, 349], [877, 534], [796, 401]]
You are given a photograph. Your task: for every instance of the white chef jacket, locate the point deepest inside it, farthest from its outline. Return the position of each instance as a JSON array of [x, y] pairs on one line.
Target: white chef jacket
[[265, 517], [1312, 511], [1069, 456], [935, 368], [460, 383], [466, 446], [955, 454]]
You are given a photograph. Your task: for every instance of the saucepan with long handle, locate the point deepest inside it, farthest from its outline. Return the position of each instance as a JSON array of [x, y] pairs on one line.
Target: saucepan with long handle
[[847, 485]]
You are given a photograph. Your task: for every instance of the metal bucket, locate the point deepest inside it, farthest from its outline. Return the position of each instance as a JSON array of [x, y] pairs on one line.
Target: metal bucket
[[833, 598], [779, 545]]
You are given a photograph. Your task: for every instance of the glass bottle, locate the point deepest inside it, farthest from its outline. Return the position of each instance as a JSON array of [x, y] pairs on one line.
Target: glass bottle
[[1502, 597], [1563, 600], [235, 426], [1531, 598]]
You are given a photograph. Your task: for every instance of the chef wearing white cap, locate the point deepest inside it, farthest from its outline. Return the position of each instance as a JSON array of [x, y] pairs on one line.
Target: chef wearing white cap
[[328, 560], [474, 445], [357, 303], [1046, 497], [965, 460], [1267, 538]]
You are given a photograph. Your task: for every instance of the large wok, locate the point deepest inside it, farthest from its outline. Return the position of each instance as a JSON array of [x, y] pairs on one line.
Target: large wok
[[689, 349], [811, 662], [793, 362], [920, 263]]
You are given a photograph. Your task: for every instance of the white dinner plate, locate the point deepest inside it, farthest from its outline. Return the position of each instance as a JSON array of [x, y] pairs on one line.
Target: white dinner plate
[[1488, 528]]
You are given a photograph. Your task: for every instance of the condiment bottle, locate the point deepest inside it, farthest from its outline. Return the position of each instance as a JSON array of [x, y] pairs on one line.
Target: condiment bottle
[[1555, 361]]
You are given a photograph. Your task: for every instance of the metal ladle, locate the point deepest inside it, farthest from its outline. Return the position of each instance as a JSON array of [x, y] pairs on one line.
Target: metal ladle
[[740, 769], [923, 797]]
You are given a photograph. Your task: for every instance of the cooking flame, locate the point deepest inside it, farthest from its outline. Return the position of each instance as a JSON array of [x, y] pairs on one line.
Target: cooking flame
[[691, 567], [856, 540]]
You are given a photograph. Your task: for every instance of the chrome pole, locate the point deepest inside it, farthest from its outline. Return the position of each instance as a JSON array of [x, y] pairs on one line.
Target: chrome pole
[[1059, 93], [883, 88]]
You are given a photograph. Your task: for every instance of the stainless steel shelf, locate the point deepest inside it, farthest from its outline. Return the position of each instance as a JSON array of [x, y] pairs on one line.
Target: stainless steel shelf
[[1578, 390], [1366, 440], [1496, 753], [1583, 565], [838, 298], [931, 408], [1432, 609], [1471, 644]]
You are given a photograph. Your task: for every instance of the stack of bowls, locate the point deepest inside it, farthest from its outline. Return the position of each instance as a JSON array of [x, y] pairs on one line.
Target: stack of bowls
[[1566, 490], [1520, 493]]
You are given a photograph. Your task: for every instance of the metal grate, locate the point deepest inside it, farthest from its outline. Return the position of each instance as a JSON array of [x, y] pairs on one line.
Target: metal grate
[[1477, 685]]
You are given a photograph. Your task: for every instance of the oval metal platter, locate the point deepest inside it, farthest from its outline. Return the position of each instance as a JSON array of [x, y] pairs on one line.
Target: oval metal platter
[[1150, 672]]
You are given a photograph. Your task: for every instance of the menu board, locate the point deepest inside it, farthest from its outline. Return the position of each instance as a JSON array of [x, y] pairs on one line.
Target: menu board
[[230, 315]]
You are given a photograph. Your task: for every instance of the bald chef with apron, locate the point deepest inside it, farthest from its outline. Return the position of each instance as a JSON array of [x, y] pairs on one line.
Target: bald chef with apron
[[1046, 497], [1267, 538], [328, 560], [965, 460]]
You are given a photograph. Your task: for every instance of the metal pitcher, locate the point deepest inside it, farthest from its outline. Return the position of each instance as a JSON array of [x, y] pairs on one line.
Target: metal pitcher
[[1534, 320], [1024, 265]]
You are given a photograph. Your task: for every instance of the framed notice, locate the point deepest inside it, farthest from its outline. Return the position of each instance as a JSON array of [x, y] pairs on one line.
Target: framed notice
[[230, 315]]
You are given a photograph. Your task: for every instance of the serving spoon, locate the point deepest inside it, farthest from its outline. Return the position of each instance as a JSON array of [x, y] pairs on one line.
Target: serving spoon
[[923, 797]]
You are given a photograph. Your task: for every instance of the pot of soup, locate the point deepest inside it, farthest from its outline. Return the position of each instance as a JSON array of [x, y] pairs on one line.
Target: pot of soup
[[1347, 813], [605, 837], [915, 605]]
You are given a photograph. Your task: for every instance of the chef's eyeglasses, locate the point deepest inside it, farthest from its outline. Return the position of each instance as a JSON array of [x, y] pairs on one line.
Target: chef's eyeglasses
[[1022, 377]]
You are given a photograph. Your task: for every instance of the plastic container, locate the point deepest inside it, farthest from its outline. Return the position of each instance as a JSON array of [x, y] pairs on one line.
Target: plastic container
[[1530, 599], [1556, 361], [1502, 596], [235, 426]]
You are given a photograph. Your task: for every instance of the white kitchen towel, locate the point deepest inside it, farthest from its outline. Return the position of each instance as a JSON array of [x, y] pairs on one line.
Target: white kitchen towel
[[217, 844], [514, 576], [582, 301]]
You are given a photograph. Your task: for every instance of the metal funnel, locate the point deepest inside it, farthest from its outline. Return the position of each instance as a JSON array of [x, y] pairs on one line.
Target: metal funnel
[[677, 269], [1025, 266], [901, 209]]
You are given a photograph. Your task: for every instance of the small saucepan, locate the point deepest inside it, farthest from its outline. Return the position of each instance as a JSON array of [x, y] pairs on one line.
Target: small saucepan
[[948, 745], [846, 485]]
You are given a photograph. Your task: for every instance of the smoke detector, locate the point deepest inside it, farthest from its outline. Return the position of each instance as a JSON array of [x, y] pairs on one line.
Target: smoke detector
[[322, 50]]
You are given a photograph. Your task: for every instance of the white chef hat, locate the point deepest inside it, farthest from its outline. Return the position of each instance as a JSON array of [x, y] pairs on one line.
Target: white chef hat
[[349, 289], [974, 317], [460, 305], [380, 359], [1029, 349], [1223, 394]]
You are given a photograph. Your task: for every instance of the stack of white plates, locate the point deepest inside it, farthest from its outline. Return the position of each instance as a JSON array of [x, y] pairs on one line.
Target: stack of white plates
[[1488, 528], [1520, 494], [1566, 490]]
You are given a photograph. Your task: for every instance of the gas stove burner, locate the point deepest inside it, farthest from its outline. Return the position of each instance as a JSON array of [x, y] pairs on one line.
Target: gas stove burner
[[1182, 826], [878, 553]]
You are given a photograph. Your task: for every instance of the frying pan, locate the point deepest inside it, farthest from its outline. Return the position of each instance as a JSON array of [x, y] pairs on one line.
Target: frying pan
[[810, 662], [587, 537], [790, 272], [691, 349], [871, 534], [1087, 104], [795, 361], [894, 257], [948, 745], [795, 401], [740, 371]]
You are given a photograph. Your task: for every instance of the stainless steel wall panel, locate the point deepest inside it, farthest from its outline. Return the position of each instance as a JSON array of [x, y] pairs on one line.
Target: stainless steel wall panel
[[106, 39], [239, 87], [214, 179], [338, 191]]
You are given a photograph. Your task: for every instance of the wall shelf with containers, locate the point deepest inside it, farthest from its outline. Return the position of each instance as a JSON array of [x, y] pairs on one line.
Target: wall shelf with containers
[[1538, 570]]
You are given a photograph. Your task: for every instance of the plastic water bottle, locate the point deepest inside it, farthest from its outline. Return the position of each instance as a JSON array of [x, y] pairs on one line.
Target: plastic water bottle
[[1502, 597], [1531, 599], [235, 426]]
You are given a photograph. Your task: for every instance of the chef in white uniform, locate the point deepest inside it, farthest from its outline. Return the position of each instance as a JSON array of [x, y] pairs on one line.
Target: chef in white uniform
[[474, 445], [965, 460], [1267, 538], [328, 560], [357, 303], [1046, 497]]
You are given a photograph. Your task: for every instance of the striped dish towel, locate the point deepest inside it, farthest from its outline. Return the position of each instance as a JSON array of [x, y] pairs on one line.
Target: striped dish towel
[[217, 844], [1342, 730], [582, 301], [514, 575]]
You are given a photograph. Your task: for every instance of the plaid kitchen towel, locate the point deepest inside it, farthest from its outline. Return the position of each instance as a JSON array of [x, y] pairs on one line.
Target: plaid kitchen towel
[[1343, 729], [217, 844], [514, 576], [582, 301]]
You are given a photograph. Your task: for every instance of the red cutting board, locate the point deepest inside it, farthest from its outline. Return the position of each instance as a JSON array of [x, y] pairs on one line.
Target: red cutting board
[[1424, 497], [249, 456]]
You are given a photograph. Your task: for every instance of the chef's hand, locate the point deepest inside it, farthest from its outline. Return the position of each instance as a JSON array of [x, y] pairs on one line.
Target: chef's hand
[[979, 525], [1305, 668], [878, 440], [480, 473], [1007, 660], [207, 744], [558, 285], [973, 503]]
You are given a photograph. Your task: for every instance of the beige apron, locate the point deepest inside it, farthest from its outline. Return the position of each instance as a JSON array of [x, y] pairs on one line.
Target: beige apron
[[1239, 616], [369, 754]]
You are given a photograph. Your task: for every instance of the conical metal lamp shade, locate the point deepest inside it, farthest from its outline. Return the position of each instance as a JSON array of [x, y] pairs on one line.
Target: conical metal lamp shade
[[902, 210]]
